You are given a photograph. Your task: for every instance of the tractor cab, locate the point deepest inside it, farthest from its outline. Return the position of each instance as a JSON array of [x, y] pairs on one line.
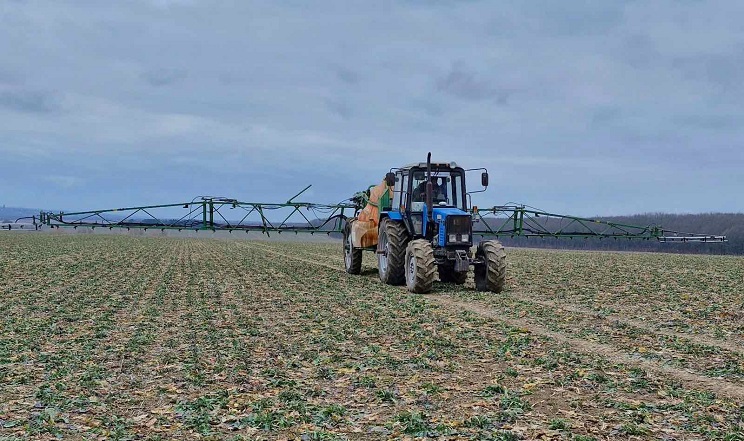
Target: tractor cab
[[448, 186], [408, 202]]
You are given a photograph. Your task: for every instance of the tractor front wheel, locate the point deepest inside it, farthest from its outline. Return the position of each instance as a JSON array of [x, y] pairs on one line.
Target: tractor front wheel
[[391, 251], [352, 255], [490, 274], [420, 266]]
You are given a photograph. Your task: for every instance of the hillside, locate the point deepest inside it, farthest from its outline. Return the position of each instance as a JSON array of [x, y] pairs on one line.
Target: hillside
[[10, 214]]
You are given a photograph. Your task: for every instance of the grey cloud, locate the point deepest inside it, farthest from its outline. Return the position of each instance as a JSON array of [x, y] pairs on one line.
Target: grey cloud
[[346, 75], [427, 107], [639, 51], [370, 87], [577, 18], [603, 116], [709, 122], [229, 78], [724, 70], [28, 101], [8, 79], [468, 86], [339, 108], [163, 77], [63, 181]]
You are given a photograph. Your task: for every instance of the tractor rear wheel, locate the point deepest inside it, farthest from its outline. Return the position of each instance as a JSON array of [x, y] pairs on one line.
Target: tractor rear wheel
[[391, 251], [420, 266], [352, 256], [447, 274], [490, 274]]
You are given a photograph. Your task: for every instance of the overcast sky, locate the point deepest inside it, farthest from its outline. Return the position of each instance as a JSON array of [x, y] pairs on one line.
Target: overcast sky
[[583, 107]]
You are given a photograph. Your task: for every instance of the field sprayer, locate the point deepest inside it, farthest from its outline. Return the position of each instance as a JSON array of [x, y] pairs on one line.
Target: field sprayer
[[418, 221]]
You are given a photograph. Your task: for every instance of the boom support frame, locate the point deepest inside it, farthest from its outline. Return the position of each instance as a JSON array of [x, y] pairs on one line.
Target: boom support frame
[[211, 214], [520, 221]]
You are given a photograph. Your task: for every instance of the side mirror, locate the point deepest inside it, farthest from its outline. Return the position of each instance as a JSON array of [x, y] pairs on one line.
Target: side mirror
[[484, 179], [390, 179]]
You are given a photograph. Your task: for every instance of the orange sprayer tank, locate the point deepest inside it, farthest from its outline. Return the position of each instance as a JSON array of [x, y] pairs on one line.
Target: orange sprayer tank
[[364, 227]]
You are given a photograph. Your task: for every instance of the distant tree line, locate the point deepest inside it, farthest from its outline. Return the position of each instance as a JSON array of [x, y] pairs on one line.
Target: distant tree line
[[730, 225]]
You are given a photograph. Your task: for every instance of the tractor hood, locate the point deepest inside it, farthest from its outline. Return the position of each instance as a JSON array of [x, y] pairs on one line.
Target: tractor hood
[[457, 235], [446, 211]]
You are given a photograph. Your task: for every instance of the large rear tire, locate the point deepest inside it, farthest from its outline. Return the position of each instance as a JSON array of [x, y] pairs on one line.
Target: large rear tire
[[391, 251], [447, 274], [420, 266], [352, 255], [490, 275]]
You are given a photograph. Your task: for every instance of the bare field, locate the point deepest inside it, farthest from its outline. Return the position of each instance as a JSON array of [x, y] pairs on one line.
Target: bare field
[[116, 337]]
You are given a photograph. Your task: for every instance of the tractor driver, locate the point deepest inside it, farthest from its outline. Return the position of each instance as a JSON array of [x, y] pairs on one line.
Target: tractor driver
[[438, 191]]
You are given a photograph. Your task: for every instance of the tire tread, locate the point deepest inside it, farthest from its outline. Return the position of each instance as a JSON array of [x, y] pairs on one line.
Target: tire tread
[[491, 275], [397, 237], [356, 254], [425, 266]]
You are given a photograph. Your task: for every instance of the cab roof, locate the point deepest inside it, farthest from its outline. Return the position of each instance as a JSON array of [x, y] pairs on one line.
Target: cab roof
[[439, 165]]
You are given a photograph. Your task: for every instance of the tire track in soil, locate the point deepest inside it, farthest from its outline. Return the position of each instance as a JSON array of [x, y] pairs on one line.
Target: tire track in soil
[[610, 318], [138, 400], [126, 319], [300, 259], [689, 379], [615, 318], [123, 394]]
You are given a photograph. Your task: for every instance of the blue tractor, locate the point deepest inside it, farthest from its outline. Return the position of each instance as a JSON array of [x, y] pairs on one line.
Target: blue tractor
[[418, 223]]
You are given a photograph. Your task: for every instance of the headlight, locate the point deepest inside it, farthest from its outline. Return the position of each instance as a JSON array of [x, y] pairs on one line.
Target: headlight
[[453, 238], [465, 237]]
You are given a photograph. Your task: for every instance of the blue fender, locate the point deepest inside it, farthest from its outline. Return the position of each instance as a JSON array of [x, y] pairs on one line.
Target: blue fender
[[393, 215]]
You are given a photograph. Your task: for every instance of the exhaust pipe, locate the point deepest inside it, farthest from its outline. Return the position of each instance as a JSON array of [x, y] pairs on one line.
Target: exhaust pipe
[[429, 190]]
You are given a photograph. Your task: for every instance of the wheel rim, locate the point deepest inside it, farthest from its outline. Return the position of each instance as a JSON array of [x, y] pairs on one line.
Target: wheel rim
[[347, 251], [412, 270], [382, 258]]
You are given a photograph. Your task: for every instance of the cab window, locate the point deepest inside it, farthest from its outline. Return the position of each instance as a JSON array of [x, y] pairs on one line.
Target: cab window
[[446, 186]]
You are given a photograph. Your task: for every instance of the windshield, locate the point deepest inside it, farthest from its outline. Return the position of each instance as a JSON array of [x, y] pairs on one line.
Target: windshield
[[447, 186]]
